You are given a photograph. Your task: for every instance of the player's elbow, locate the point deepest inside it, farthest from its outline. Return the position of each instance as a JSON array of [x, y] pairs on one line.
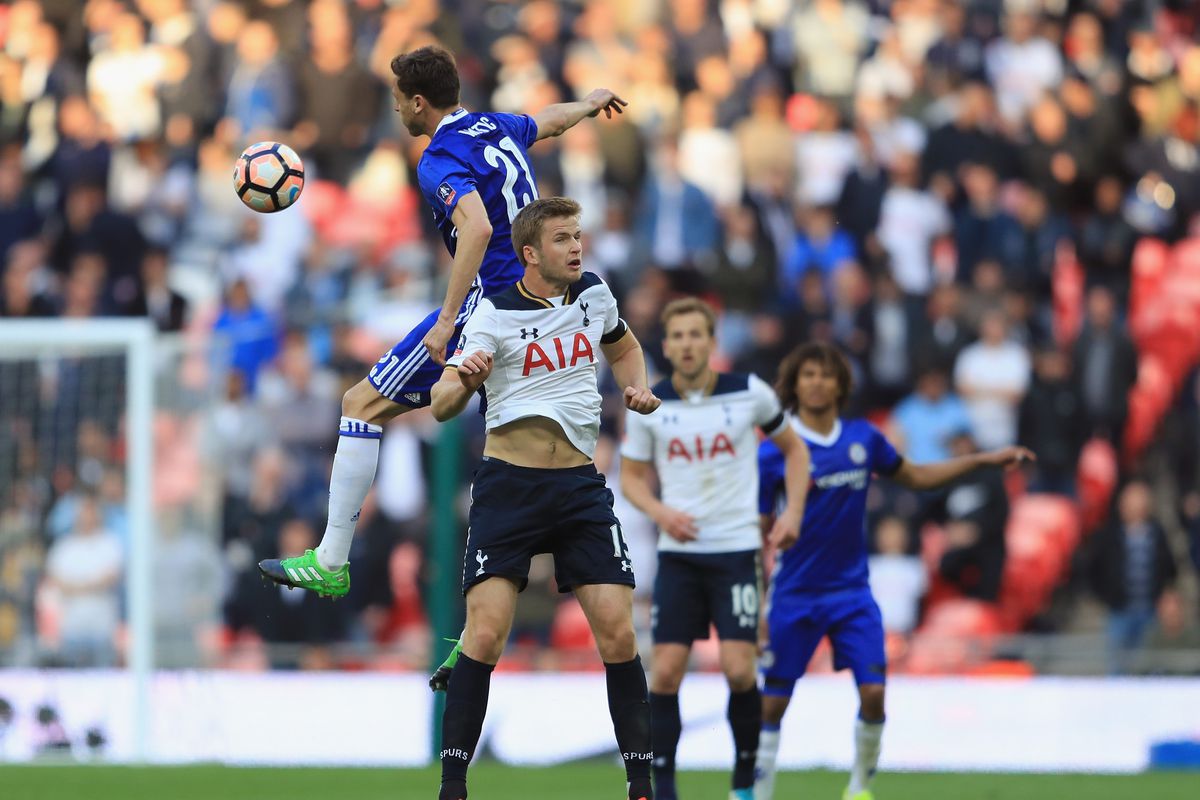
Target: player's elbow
[[441, 404]]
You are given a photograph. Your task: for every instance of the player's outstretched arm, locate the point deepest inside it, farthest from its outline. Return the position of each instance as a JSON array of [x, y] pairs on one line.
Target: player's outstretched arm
[[451, 393], [940, 473], [474, 232], [557, 119], [797, 470], [629, 369], [636, 479]]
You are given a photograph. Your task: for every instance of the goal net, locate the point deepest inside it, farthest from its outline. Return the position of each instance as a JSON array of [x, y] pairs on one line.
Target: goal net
[[100, 489]]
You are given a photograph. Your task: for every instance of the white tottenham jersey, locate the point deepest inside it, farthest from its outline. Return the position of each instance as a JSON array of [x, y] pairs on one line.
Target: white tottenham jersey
[[705, 451], [545, 355]]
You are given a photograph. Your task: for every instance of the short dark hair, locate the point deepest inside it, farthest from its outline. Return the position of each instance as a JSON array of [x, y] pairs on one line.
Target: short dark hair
[[430, 72], [689, 305], [527, 227], [824, 354]]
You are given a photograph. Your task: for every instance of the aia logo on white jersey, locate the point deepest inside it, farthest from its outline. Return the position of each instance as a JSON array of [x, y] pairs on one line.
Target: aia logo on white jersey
[[698, 449], [554, 355]]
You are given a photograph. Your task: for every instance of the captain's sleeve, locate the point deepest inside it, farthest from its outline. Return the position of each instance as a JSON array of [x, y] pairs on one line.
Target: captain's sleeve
[[444, 181], [768, 413], [614, 326], [770, 476], [884, 458], [639, 437], [521, 127], [478, 334]]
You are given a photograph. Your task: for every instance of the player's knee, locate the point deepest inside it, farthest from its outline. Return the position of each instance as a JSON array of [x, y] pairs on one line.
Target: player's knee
[[666, 678], [774, 709], [871, 701], [617, 643], [355, 401], [741, 677], [484, 642]]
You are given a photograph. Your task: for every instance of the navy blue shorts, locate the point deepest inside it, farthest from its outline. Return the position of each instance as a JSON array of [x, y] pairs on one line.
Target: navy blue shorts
[[406, 374], [851, 620], [695, 590], [519, 512]]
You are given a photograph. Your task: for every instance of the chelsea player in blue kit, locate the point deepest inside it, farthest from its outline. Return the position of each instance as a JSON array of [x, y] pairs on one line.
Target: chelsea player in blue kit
[[819, 586], [475, 176]]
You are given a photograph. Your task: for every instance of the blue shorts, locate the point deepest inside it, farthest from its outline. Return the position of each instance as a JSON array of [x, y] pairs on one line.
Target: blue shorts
[[406, 374], [693, 591], [519, 512], [851, 620]]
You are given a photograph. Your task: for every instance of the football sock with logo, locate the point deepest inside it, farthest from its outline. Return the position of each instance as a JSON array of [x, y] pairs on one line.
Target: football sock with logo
[[867, 736], [630, 711], [462, 721], [745, 720], [665, 727], [768, 751], [353, 471]]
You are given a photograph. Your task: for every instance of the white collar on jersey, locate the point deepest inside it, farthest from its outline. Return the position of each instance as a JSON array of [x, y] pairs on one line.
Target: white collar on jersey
[[825, 440], [453, 115]]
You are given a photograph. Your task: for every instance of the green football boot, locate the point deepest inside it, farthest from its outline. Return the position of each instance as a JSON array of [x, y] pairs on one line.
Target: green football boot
[[303, 572], [441, 678]]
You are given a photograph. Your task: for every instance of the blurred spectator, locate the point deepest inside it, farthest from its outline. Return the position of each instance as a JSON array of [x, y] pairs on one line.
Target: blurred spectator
[[820, 246], [945, 333], [121, 81], [957, 55], [992, 376], [261, 94], [19, 220], [824, 156], [898, 579], [974, 513], [909, 221], [338, 99], [829, 37], [982, 229], [861, 200], [701, 145], [1106, 240], [1131, 569], [84, 568], [926, 420], [1057, 160], [1021, 64], [1052, 423], [677, 225], [247, 331], [156, 299], [971, 137], [1105, 367], [889, 373], [26, 282]]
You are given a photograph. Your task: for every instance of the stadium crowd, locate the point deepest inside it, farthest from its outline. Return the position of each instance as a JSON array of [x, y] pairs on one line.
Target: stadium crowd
[[914, 180]]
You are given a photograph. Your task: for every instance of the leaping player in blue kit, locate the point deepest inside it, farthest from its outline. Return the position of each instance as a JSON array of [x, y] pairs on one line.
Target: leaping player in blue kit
[[819, 586], [475, 176]]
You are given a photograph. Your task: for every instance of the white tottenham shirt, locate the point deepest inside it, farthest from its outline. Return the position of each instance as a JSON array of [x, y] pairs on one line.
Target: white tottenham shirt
[[705, 451], [544, 355]]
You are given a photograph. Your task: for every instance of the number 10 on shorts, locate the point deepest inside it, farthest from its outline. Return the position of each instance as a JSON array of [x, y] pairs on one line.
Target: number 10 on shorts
[[745, 604]]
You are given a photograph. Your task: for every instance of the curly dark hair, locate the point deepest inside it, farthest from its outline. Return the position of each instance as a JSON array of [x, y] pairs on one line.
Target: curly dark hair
[[430, 72], [822, 353]]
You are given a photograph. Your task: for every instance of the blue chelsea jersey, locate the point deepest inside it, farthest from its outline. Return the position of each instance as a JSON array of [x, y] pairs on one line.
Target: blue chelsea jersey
[[831, 553], [486, 153]]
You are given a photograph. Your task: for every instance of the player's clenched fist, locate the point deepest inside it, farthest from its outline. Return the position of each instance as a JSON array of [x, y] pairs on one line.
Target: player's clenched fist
[[642, 401], [784, 532], [678, 525], [474, 369]]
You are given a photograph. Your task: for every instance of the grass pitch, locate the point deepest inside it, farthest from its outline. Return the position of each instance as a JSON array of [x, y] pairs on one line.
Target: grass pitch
[[576, 782]]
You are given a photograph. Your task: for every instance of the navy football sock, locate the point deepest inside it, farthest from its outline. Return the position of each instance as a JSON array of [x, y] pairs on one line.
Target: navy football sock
[[745, 720], [666, 725], [630, 713], [462, 721]]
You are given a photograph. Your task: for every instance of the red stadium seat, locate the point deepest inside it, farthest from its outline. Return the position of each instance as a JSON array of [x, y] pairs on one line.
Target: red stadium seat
[[1149, 270], [570, 630], [1067, 296], [1096, 479]]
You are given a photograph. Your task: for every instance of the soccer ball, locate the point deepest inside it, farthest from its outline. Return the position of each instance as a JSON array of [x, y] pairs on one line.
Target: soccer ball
[[268, 176]]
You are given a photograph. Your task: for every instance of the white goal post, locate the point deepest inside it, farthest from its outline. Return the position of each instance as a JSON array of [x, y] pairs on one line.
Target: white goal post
[[135, 338]]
